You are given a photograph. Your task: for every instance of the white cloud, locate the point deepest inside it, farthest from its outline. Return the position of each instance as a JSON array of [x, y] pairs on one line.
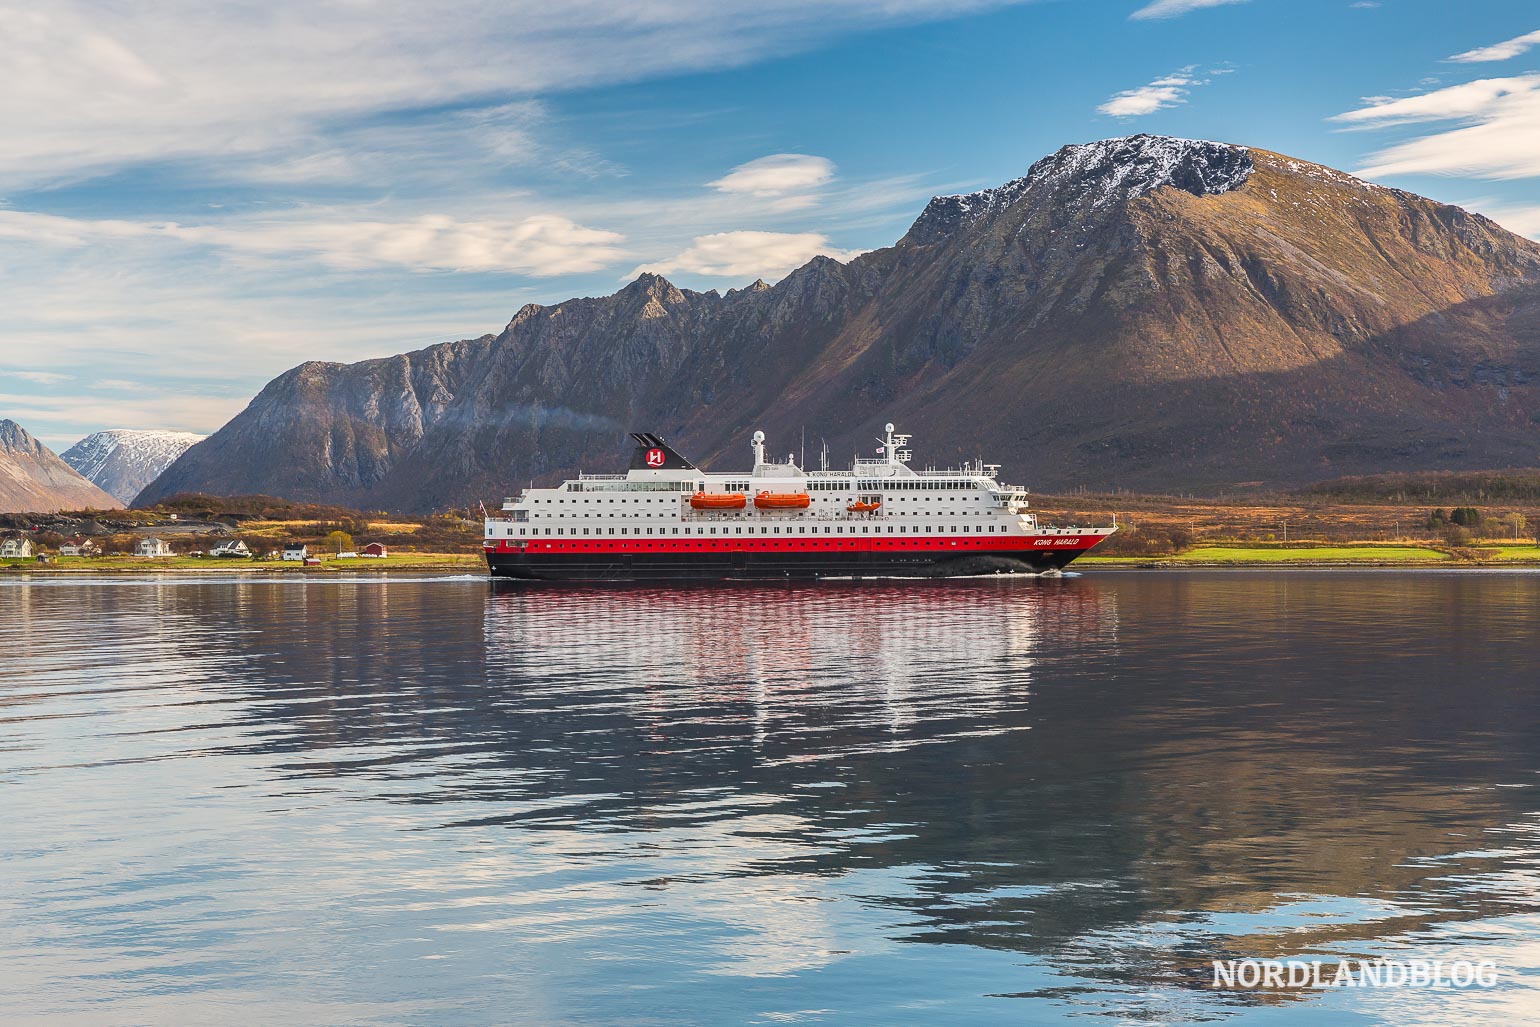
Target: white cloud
[[542, 245], [1166, 91], [747, 255], [1499, 137], [54, 418], [1500, 51], [92, 87], [1175, 8], [38, 377], [777, 175]]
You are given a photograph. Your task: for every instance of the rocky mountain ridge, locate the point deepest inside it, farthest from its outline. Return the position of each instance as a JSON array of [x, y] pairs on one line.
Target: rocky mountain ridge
[[1147, 313]]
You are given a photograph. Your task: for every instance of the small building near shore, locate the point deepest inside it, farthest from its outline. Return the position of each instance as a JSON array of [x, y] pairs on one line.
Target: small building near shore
[[373, 549], [86, 548], [295, 551], [153, 547], [16, 548], [233, 548]]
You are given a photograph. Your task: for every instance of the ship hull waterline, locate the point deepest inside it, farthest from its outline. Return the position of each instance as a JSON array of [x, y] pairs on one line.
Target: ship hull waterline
[[749, 565]]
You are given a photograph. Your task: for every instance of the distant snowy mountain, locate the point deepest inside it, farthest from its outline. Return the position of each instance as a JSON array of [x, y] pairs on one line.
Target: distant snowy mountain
[[123, 461]]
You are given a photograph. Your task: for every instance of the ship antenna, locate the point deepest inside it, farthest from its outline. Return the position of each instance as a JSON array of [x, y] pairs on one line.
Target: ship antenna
[[802, 462]]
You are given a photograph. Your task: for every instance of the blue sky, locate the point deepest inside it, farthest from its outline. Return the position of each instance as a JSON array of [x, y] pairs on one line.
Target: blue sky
[[195, 196]]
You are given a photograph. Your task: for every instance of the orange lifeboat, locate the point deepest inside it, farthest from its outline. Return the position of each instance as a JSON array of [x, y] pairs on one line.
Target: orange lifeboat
[[783, 501], [864, 507], [719, 501]]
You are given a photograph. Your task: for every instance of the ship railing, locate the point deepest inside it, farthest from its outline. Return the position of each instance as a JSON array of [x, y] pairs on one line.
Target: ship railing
[[601, 477]]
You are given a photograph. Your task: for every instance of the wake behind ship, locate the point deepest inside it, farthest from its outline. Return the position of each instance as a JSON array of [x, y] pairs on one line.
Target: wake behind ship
[[667, 520]]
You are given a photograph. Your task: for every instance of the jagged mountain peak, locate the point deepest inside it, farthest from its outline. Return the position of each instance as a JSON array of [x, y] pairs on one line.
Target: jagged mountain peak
[[1129, 167], [1098, 175], [34, 479], [13, 436]]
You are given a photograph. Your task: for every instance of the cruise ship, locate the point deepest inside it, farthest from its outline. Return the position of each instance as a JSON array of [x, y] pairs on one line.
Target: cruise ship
[[667, 520]]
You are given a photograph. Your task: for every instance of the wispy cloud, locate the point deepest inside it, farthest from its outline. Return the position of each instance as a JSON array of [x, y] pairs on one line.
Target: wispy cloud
[[1524, 219], [744, 256], [92, 87], [38, 377], [1167, 91], [1176, 8], [542, 245], [54, 418], [1500, 51], [1499, 137], [788, 179]]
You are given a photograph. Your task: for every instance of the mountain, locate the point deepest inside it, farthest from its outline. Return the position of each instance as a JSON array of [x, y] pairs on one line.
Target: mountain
[[123, 461], [1146, 313], [34, 480]]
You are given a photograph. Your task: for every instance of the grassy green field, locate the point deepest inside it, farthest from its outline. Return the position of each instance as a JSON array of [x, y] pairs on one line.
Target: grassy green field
[[400, 559], [1516, 553], [1260, 554], [1284, 554]]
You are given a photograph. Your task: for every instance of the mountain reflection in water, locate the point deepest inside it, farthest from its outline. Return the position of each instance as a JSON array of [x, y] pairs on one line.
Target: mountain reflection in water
[[1008, 800]]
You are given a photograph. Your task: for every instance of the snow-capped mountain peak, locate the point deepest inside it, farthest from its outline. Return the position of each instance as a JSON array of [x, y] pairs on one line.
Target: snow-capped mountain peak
[[123, 461], [1096, 175]]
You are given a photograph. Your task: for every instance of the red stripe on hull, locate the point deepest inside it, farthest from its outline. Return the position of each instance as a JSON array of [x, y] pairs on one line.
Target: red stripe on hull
[[859, 544]]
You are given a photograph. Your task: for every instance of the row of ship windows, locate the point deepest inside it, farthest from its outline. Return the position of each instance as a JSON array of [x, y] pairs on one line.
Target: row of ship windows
[[674, 500], [839, 529], [579, 514]]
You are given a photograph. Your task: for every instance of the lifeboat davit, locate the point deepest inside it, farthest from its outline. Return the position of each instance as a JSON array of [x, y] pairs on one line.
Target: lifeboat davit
[[783, 501], [864, 507], [719, 501]]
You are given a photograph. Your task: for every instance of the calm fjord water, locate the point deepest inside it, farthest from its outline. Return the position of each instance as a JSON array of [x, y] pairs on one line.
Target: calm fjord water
[[1006, 801]]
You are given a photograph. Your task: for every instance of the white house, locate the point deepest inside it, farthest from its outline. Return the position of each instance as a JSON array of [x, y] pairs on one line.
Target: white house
[[234, 547], [70, 549], [16, 548], [295, 551], [152, 547]]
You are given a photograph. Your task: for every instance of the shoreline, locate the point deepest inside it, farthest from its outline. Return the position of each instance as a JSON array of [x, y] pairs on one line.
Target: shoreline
[[474, 564]]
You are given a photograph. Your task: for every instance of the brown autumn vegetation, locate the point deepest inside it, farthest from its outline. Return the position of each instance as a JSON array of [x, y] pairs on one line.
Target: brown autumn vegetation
[[1416, 507]]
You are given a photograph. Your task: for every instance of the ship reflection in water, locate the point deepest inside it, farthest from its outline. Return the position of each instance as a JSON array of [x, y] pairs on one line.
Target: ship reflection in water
[[997, 801]]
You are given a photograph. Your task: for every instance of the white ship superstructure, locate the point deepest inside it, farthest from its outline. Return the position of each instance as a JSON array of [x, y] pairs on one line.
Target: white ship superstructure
[[666, 518]]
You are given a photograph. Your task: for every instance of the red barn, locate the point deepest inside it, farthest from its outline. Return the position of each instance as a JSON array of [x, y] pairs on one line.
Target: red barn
[[373, 549]]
